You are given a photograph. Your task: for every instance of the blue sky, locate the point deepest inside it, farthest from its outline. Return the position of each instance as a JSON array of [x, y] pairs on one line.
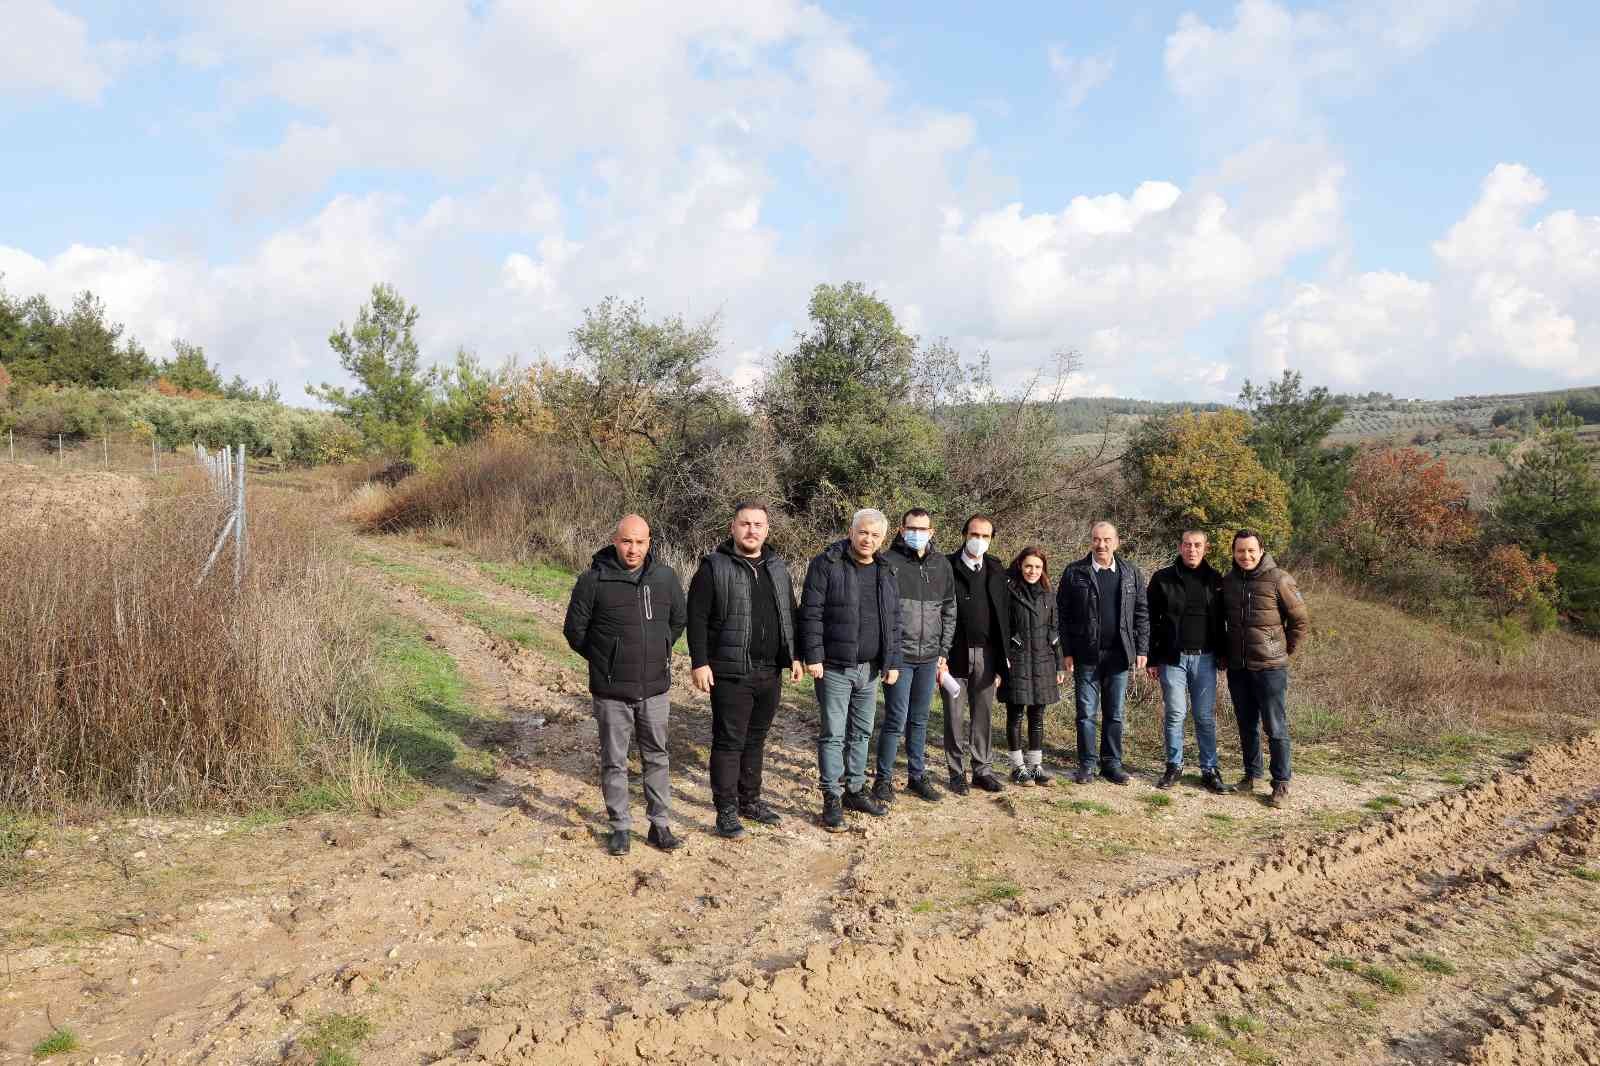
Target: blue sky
[[1383, 194]]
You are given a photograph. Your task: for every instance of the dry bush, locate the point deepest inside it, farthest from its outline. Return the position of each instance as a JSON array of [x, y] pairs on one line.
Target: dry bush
[[122, 682], [506, 498], [1373, 675]]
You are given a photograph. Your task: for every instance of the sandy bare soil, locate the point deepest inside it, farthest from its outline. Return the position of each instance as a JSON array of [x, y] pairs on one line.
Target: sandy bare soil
[[486, 924]]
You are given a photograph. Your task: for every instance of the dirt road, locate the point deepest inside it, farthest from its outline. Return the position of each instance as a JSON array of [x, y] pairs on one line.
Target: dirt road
[[1061, 925]]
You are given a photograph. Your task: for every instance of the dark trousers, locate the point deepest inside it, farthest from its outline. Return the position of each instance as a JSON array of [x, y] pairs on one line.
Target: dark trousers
[[742, 709], [1015, 712], [1258, 703]]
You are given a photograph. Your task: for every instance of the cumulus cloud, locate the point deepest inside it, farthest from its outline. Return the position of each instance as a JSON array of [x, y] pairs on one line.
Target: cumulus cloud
[[1509, 292], [1078, 76], [44, 49], [1270, 63]]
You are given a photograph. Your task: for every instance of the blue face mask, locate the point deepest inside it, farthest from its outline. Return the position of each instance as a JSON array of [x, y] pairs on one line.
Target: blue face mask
[[917, 539]]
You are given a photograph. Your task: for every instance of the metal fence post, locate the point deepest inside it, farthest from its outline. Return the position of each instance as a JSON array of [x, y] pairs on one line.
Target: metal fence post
[[239, 527], [105, 448], [60, 452]]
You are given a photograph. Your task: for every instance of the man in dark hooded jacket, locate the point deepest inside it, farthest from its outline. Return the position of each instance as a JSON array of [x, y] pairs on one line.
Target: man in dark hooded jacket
[[626, 612], [741, 642]]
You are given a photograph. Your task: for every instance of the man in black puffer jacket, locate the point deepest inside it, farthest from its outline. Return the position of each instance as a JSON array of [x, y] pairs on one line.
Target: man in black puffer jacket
[[626, 612], [1105, 631], [1187, 648], [741, 640], [849, 634], [927, 629]]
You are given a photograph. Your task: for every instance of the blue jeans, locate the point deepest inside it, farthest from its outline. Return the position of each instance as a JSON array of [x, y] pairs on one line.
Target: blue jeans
[[1191, 685], [905, 711], [1098, 693], [1259, 703], [848, 701]]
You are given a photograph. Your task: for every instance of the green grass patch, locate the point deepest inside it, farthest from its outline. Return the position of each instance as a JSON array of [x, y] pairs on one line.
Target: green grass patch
[[525, 631], [1452, 778], [333, 1037], [1331, 821], [428, 723], [1365, 1002], [1339, 962], [1383, 977], [1383, 803], [1200, 1031], [60, 1042], [1585, 873], [1156, 800], [1085, 807], [1248, 1053], [1434, 964], [537, 579], [1240, 1024], [923, 906], [17, 834], [992, 890]]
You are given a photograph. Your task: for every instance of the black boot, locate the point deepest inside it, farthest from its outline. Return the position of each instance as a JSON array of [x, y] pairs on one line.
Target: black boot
[[958, 784], [617, 843], [728, 825], [987, 782], [883, 791], [1169, 778], [758, 811], [832, 813], [923, 788], [862, 801], [1115, 774], [662, 838], [1212, 780]]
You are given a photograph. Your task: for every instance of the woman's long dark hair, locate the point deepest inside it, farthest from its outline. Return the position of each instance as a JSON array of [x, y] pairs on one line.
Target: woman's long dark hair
[[1016, 565]]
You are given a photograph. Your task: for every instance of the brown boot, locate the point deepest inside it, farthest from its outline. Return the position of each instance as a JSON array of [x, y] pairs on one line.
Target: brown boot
[[1280, 794]]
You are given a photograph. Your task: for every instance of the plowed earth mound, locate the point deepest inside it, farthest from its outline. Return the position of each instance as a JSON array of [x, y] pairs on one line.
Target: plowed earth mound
[[1061, 925]]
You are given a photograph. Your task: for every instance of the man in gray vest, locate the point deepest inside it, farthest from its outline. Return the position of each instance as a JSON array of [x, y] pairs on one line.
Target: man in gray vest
[[741, 641]]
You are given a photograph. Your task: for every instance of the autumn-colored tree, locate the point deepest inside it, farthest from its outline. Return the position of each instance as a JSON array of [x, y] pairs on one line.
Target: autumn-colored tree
[[1402, 499], [1198, 469], [1510, 580]]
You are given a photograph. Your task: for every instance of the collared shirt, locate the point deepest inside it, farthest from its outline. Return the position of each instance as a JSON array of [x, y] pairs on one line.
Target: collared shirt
[[972, 564], [1097, 567]]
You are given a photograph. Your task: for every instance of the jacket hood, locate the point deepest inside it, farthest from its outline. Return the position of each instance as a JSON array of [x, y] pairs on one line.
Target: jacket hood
[[606, 559], [727, 547]]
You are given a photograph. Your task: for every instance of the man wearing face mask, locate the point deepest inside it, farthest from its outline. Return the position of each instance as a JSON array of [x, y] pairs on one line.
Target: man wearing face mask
[[977, 658], [927, 627]]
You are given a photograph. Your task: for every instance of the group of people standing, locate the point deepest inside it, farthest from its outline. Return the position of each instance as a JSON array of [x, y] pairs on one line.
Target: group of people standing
[[964, 624]]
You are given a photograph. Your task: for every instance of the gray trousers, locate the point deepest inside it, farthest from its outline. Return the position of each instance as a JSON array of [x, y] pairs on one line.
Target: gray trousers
[[967, 718], [619, 722]]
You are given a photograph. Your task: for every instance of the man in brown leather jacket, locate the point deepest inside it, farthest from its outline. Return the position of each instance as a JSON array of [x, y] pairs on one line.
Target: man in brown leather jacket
[[1266, 621]]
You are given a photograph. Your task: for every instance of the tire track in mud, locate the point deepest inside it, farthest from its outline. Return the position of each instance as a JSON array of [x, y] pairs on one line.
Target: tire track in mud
[[1090, 978], [1564, 1026]]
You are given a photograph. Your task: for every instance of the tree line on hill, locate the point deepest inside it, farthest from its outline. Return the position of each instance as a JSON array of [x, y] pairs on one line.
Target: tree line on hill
[[858, 412]]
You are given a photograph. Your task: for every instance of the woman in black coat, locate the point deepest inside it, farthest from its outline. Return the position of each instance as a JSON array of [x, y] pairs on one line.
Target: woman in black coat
[[1035, 678]]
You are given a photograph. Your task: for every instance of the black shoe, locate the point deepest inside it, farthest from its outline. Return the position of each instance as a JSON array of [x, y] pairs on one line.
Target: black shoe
[[1084, 776], [923, 788], [1212, 780], [663, 839], [958, 784], [987, 782], [883, 791], [1041, 776], [1021, 775], [1247, 784], [1115, 774], [832, 813], [617, 843], [1169, 778], [728, 825], [1280, 794], [758, 811], [862, 801]]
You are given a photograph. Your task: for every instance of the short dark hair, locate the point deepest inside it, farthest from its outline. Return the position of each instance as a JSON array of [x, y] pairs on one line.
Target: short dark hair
[[976, 517], [1032, 549], [916, 512], [1247, 534], [751, 505]]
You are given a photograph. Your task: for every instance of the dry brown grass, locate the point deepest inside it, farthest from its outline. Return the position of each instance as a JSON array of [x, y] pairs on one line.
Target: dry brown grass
[[505, 498], [122, 683]]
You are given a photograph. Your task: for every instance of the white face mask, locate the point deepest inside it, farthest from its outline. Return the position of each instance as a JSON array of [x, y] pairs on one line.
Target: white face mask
[[977, 546]]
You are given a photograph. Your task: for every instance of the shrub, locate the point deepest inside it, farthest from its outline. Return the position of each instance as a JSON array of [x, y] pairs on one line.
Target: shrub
[[1402, 499], [1512, 581], [130, 684]]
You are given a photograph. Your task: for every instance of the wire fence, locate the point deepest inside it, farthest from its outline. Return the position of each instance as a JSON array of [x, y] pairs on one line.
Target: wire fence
[[121, 452]]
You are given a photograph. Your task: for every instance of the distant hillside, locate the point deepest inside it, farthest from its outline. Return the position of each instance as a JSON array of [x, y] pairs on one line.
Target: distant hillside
[[1378, 415]]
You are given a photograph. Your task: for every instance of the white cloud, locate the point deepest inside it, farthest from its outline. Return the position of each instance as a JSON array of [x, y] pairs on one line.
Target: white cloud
[[1510, 294], [47, 50], [1271, 62], [1078, 76]]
